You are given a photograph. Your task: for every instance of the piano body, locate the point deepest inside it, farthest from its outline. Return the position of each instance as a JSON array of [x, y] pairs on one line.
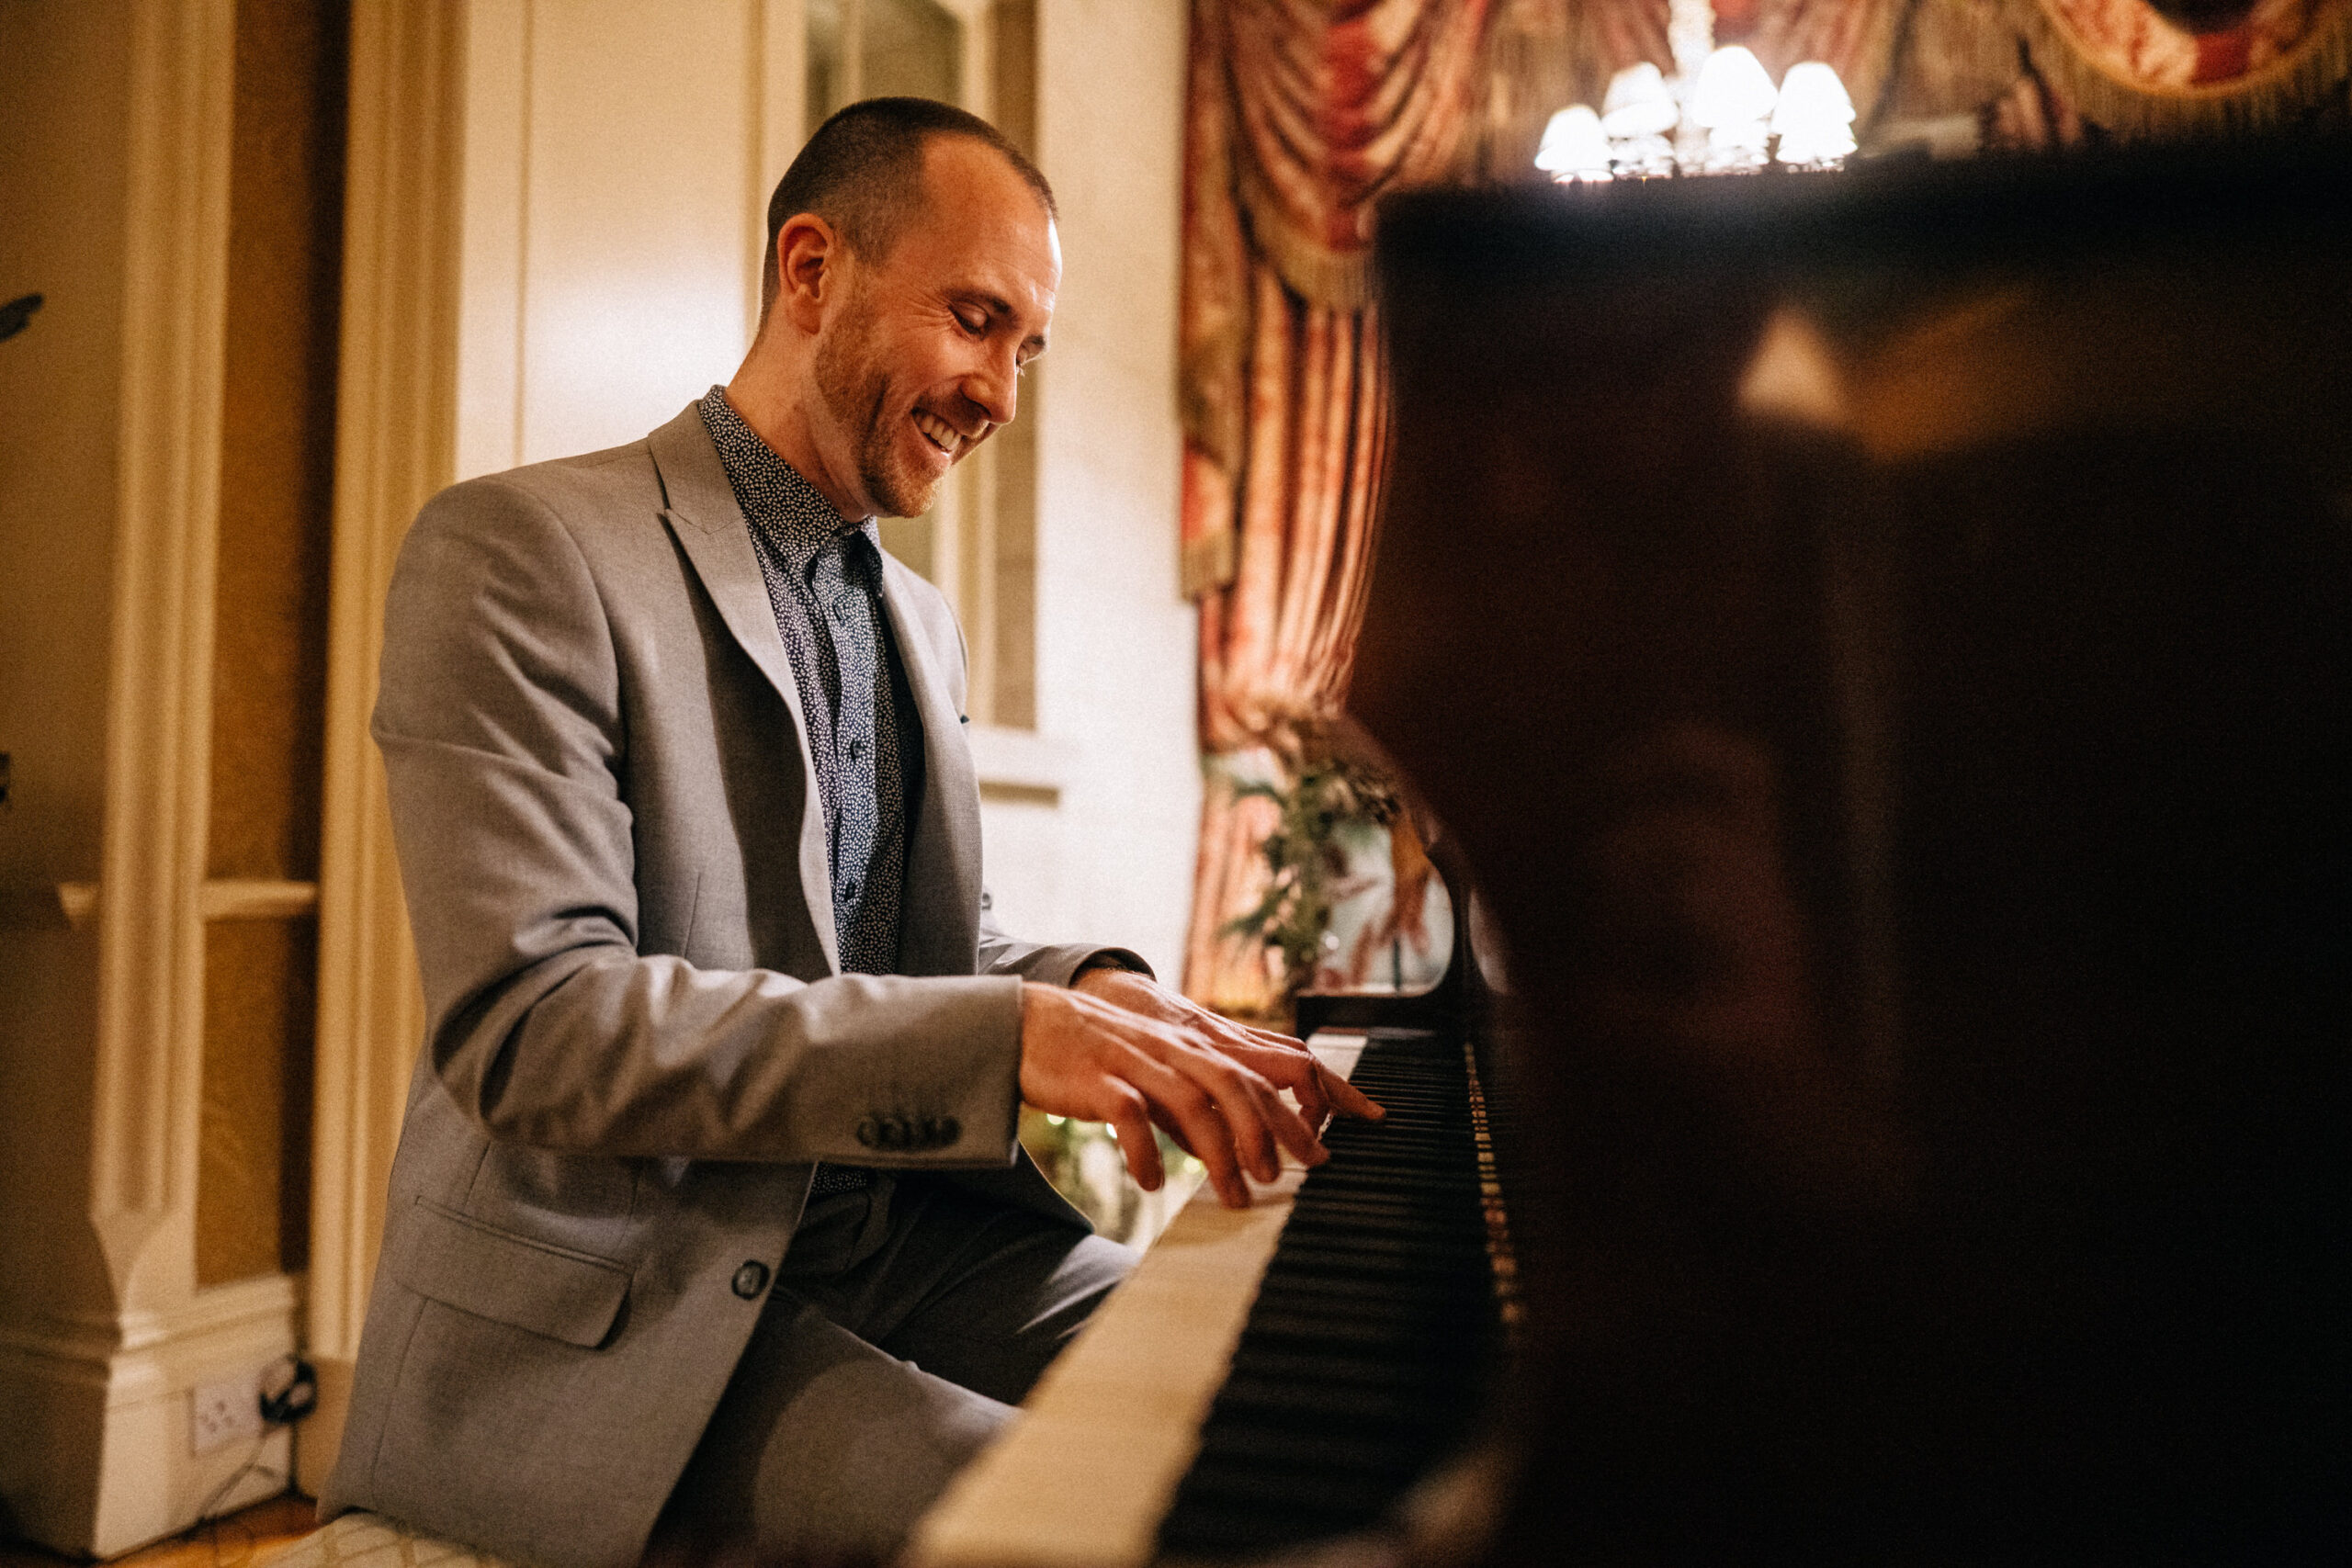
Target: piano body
[[1881, 647]]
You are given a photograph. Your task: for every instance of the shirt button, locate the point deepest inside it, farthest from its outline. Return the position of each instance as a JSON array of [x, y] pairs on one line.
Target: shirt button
[[856, 748], [849, 890], [751, 1280]]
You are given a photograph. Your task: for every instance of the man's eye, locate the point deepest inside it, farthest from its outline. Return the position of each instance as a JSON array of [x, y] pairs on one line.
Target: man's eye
[[978, 325]]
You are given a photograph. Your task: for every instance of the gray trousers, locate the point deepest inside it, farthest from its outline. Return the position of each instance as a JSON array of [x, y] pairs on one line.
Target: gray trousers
[[906, 1321]]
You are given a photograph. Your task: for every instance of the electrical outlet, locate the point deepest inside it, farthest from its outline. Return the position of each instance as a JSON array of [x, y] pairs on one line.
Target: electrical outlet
[[225, 1412]]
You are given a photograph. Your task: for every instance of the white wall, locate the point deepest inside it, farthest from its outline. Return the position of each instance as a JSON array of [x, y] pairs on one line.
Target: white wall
[[617, 157], [1116, 639], [613, 148]]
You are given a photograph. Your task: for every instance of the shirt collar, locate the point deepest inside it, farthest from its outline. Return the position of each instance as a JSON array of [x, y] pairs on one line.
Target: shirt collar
[[777, 501]]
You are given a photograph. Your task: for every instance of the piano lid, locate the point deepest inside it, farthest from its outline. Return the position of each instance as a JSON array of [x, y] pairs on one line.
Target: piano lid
[[1881, 643]]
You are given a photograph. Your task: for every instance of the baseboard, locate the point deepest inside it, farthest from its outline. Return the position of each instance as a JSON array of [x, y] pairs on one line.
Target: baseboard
[[111, 1462]]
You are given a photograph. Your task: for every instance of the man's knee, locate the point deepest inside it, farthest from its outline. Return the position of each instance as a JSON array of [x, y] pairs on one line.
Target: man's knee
[[824, 1447], [871, 1447], [1006, 1319]]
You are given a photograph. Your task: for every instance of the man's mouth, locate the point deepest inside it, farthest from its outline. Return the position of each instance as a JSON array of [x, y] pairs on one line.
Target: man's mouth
[[939, 433]]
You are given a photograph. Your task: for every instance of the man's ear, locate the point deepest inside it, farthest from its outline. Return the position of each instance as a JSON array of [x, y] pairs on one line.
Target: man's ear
[[811, 260]]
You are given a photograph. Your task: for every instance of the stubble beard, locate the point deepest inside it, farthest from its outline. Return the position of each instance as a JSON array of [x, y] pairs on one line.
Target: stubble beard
[[856, 389]]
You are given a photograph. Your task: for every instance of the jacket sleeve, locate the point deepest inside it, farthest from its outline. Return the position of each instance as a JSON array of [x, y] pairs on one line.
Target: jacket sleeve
[[499, 719], [1052, 963]]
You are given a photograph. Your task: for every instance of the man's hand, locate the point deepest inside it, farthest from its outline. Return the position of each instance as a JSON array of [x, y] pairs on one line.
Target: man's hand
[[1120, 1049], [1278, 1058]]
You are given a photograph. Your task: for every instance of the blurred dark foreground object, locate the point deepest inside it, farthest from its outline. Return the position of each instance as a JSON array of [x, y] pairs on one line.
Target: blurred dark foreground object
[[1883, 644]]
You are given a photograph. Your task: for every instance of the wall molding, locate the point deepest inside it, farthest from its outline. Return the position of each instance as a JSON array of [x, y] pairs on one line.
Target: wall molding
[[108, 1393], [395, 446], [159, 709], [74, 905], [94, 1349], [241, 898]]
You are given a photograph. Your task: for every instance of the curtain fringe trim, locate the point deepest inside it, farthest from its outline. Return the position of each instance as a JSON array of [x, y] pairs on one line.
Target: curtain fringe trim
[[2271, 97], [1314, 272]]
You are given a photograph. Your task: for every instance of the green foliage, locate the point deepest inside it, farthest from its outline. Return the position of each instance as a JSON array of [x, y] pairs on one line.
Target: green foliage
[[1324, 802]]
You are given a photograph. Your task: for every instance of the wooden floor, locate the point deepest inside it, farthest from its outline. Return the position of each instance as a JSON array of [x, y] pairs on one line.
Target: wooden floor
[[230, 1542]]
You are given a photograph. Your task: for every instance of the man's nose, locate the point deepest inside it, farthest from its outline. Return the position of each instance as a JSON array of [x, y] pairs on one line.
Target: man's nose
[[996, 387]]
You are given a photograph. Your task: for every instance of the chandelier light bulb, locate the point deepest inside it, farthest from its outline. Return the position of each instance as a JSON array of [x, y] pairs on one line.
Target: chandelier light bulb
[[1812, 98], [1574, 146], [1638, 103], [1815, 119], [1733, 90]]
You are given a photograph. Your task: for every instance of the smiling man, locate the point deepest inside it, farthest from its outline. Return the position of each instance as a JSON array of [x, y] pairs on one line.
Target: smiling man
[[708, 1226]]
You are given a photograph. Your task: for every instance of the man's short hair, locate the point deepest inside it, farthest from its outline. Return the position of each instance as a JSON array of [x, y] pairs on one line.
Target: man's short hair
[[861, 173]]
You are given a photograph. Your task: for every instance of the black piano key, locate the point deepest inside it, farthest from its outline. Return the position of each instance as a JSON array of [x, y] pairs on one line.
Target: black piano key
[[1355, 1452], [1318, 1404], [1298, 1491]]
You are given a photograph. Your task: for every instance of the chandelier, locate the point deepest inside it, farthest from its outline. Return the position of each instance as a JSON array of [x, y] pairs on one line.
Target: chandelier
[[1719, 113]]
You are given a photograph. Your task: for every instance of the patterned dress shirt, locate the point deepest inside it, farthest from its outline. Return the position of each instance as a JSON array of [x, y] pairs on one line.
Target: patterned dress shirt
[[824, 583]]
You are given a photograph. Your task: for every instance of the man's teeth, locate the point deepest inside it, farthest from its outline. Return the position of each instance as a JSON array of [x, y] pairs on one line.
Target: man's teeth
[[938, 431]]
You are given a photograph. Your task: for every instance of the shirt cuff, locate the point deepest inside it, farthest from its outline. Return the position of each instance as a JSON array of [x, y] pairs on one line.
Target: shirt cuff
[[1112, 958]]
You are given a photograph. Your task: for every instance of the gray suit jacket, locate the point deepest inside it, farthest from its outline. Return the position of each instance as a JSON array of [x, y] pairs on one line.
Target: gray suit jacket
[[638, 1040]]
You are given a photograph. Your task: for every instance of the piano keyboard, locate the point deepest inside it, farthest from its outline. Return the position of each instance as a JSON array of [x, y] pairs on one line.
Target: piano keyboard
[[1270, 1376], [1362, 1360]]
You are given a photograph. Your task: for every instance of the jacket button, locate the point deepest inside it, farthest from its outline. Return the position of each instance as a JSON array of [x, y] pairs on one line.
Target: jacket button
[[751, 1280]]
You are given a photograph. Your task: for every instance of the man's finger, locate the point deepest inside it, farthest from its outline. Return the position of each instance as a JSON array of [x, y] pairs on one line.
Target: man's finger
[[1314, 1102], [1294, 1070], [1242, 1104], [1198, 1125], [1301, 1074], [1346, 1096], [1313, 1108], [1297, 1130], [1289, 1129], [1251, 1112], [1138, 1146], [1339, 1093]]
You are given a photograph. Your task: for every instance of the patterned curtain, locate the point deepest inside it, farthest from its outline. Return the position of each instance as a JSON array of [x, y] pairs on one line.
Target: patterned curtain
[[1300, 115]]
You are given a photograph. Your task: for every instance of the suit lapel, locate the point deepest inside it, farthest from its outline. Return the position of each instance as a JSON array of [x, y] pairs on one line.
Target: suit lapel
[[704, 518], [939, 920]]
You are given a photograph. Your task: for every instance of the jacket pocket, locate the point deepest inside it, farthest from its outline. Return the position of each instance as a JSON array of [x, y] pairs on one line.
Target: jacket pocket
[[458, 1261]]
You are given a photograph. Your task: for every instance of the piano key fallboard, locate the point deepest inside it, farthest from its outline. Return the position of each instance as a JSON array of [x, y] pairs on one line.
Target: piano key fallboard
[[1270, 1376]]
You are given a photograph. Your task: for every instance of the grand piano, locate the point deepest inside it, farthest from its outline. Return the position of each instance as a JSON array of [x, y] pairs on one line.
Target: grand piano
[[1880, 646]]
